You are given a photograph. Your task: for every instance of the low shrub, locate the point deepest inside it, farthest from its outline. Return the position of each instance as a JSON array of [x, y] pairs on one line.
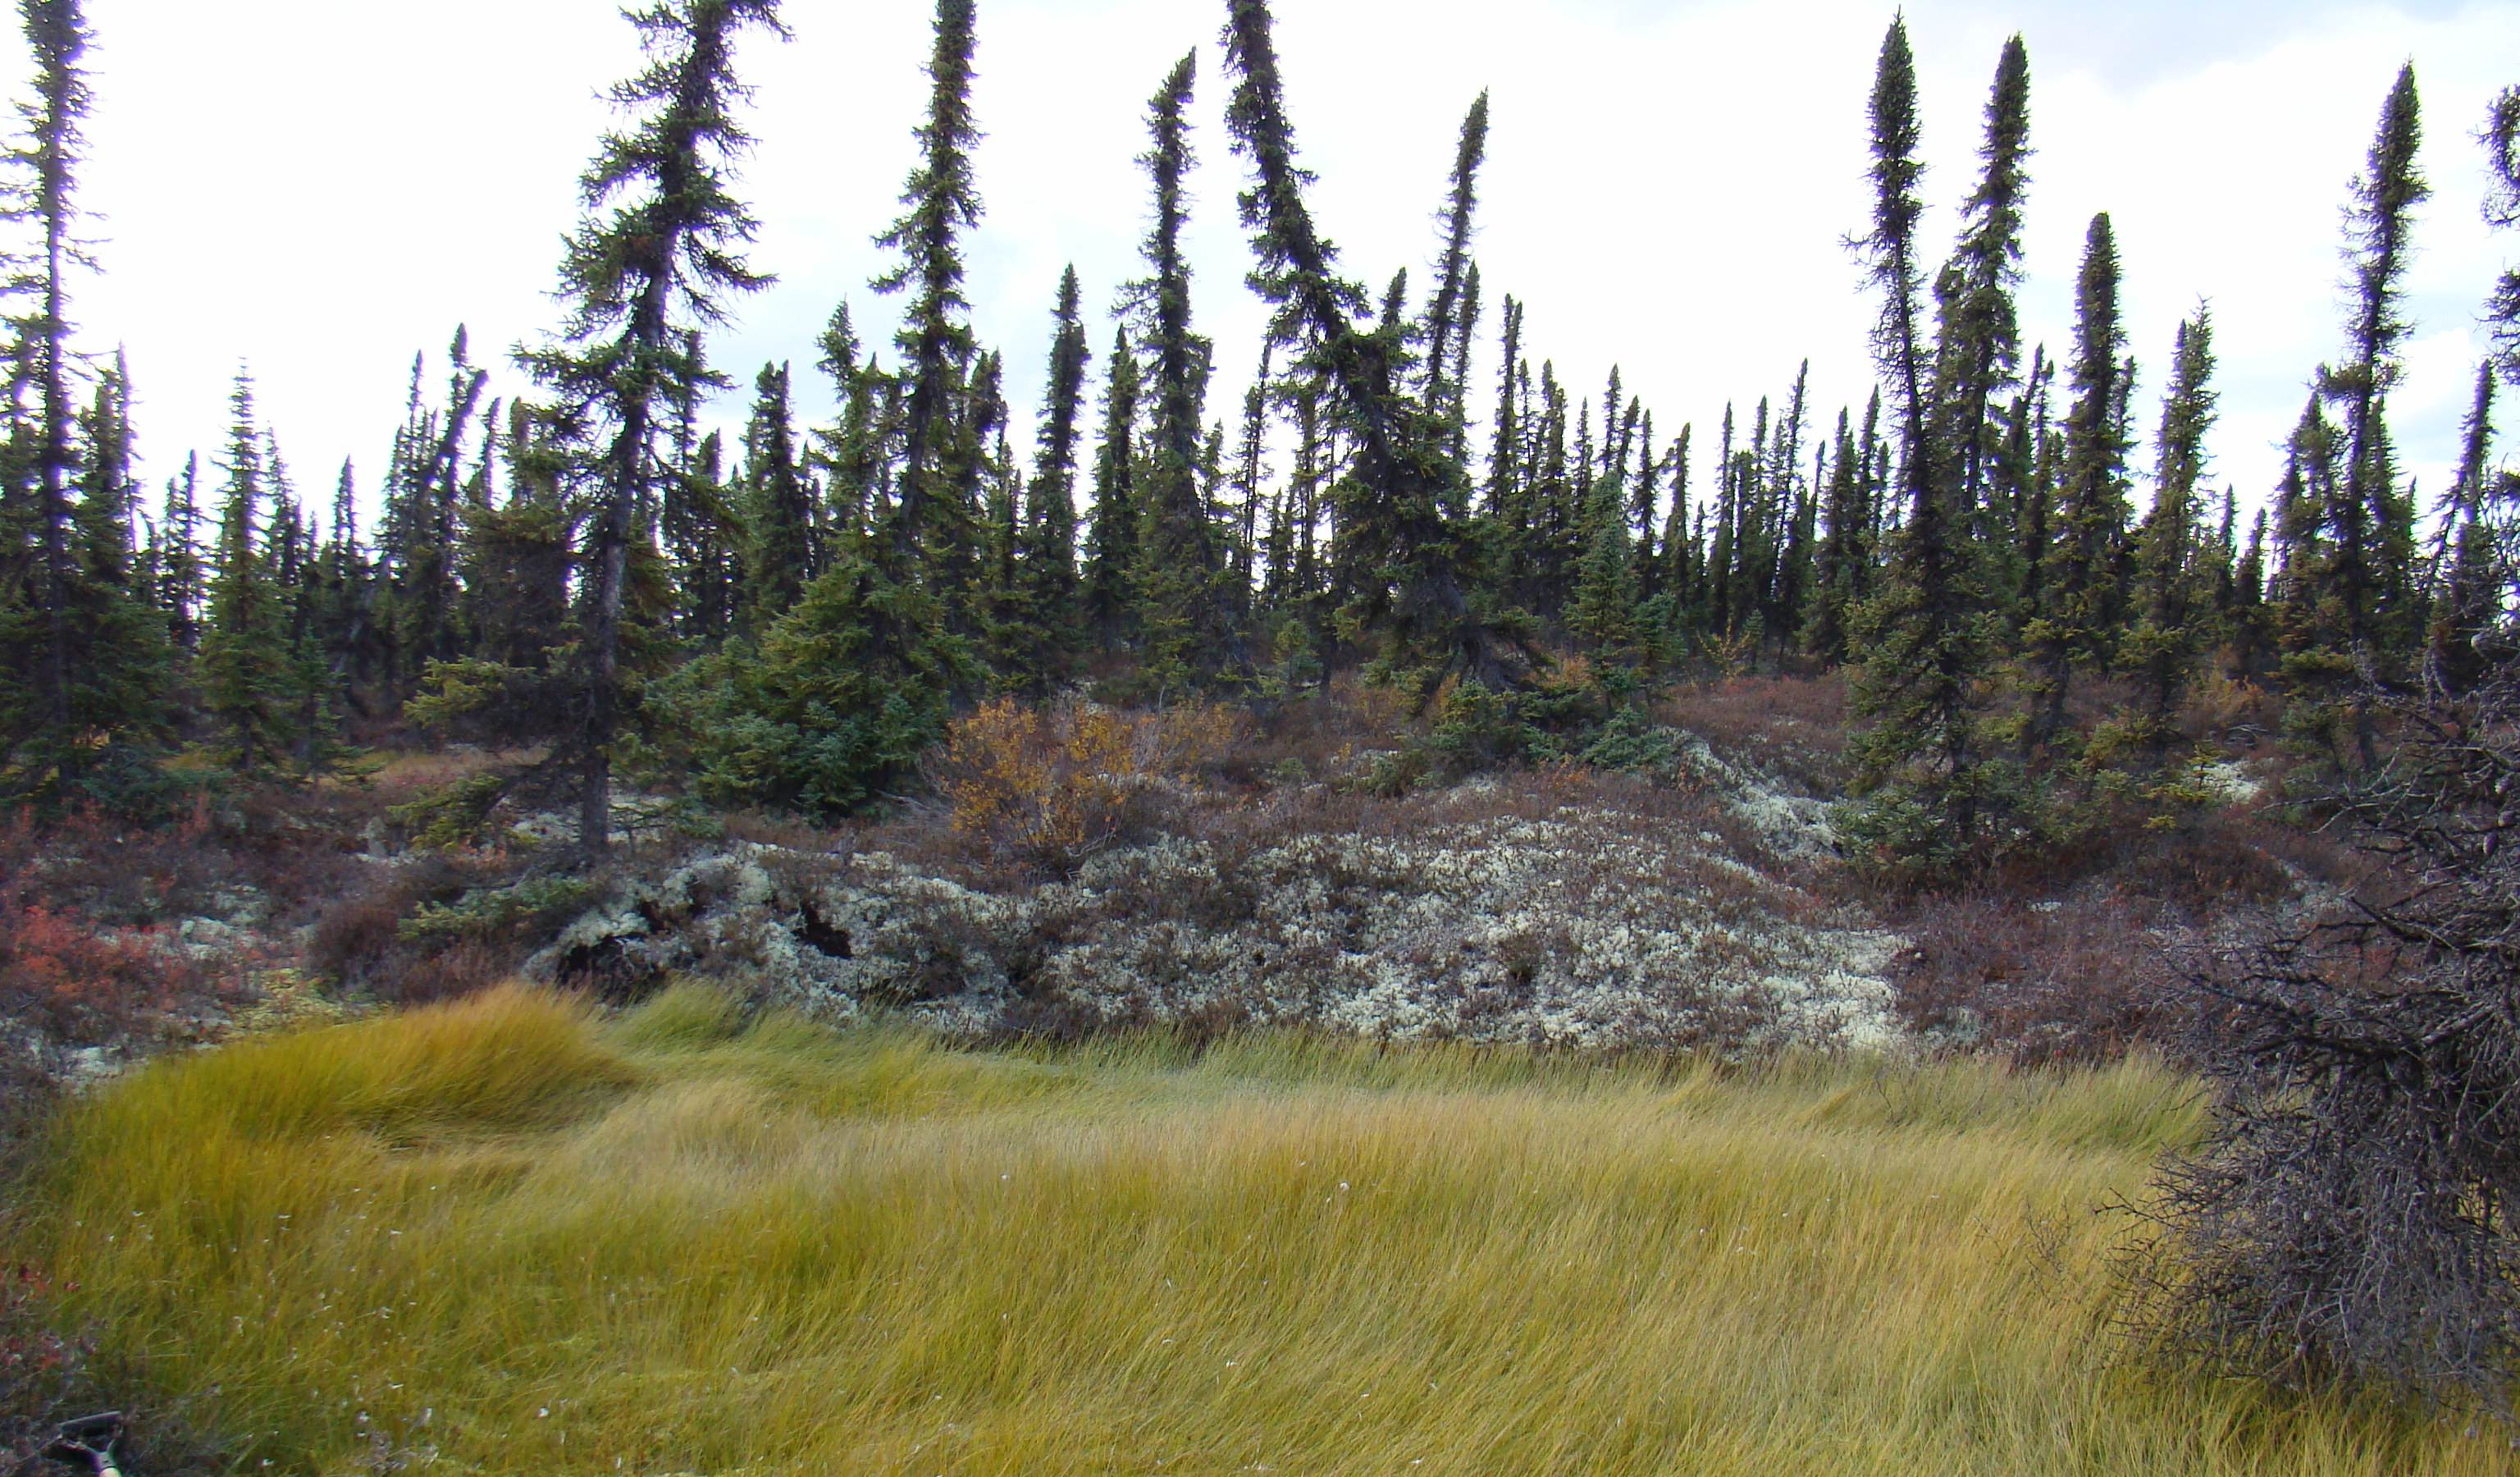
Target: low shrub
[[1052, 786], [438, 926], [2082, 979]]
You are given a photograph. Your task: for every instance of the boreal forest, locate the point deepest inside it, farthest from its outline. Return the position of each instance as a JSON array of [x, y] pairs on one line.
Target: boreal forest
[[821, 773]]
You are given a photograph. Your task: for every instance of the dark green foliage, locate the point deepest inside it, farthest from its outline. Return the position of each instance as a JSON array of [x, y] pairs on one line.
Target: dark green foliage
[[1844, 562], [835, 705], [424, 497], [2079, 563], [792, 619], [246, 667], [1187, 613], [2168, 631], [1980, 345], [659, 250], [2351, 528], [2471, 583], [1452, 317], [83, 655], [1604, 611], [851, 455], [2502, 209], [1416, 597], [1920, 762], [929, 534], [1111, 562], [783, 550], [46, 165], [1054, 595]]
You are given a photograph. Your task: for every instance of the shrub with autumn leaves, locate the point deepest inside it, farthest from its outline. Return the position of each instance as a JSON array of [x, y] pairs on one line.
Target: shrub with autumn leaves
[[66, 979], [1050, 786]]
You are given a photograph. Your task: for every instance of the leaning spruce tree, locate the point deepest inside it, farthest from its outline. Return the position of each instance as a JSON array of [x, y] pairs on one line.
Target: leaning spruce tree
[[931, 536], [660, 250], [1413, 567], [1187, 615], [2371, 521]]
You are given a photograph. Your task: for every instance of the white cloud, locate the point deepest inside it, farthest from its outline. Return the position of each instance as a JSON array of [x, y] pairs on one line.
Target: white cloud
[[324, 188]]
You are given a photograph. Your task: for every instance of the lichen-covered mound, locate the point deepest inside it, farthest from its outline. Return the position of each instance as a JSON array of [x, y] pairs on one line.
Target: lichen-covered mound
[[1462, 913]]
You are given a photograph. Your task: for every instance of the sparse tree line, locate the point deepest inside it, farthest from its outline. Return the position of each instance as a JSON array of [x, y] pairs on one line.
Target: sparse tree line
[[791, 620]]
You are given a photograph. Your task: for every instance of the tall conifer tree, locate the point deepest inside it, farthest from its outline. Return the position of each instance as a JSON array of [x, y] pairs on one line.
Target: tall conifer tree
[[244, 655], [1418, 599], [1980, 345], [661, 248], [2168, 632], [2371, 521], [1926, 640], [1050, 501], [932, 534], [1111, 545], [1188, 617], [2078, 578]]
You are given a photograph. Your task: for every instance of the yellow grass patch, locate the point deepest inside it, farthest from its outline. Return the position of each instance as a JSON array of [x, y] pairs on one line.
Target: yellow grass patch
[[522, 1238]]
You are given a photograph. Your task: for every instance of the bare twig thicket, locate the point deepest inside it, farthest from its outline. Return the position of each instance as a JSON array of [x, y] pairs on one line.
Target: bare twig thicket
[[2349, 1218]]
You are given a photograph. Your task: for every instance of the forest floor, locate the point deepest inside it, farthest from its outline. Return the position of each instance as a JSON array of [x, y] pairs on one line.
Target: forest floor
[[511, 1234]]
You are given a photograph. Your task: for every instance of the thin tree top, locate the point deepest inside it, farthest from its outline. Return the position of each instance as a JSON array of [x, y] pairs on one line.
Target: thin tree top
[[942, 195], [665, 177]]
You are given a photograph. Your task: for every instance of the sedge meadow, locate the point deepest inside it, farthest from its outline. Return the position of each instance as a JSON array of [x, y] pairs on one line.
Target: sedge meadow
[[507, 1235]]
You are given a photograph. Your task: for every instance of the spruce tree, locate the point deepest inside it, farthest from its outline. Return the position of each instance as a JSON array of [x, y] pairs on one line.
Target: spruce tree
[[931, 537], [2501, 139], [1844, 559], [2371, 521], [2077, 576], [1452, 315], [1111, 563], [1049, 554], [851, 454], [1418, 599], [1187, 616], [1604, 609], [2472, 565], [1505, 459], [180, 569], [1980, 345], [81, 653], [658, 252], [1249, 482], [246, 667], [1925, 628], [782, 551], [47, 160], [424, 494], [701, 525], [2168, 636]]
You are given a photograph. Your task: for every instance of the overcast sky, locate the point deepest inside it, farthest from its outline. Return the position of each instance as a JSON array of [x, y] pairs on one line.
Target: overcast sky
[[320, 188]]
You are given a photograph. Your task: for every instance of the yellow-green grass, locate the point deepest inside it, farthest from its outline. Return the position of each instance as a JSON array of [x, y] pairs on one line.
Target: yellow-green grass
[[518, 1237]]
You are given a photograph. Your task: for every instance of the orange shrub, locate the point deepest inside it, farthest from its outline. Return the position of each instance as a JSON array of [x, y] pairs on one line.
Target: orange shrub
[[1055, 785], [60, 973]]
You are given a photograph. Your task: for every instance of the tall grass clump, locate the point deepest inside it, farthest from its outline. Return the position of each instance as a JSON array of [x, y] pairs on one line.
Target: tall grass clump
[[508, 1236]]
